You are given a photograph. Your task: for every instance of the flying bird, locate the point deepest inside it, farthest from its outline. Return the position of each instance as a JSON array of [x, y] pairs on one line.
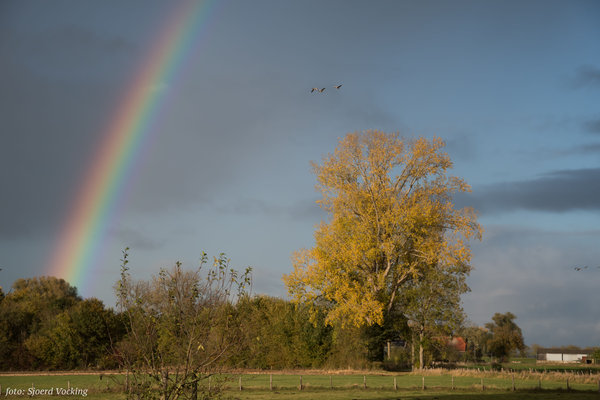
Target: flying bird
[[316, 89], [580, 268]]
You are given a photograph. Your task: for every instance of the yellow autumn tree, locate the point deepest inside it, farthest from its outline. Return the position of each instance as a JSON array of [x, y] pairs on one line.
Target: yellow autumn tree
[[391, 215]]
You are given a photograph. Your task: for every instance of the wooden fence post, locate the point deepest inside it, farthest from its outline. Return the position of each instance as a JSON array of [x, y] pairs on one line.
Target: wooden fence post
[[452, 382], [513, 382], [165, 377], [423, 386], [364, 381], [300, 382], [396, 384], [482, 385], [270, 381], [240, 383], [568, 388], [330, 381]]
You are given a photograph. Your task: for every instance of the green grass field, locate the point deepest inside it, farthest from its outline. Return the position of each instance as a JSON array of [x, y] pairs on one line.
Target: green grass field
[[438, 385], [91, 384], [530, 364]]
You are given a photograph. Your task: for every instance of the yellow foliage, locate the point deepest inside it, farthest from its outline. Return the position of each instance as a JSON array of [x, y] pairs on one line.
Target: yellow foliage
[[391, 214]]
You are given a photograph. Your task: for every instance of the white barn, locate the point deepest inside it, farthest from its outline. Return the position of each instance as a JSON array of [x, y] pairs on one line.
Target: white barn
[[563, 355]]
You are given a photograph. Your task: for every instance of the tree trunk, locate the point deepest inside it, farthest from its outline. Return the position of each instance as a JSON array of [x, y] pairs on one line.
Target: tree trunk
[[412, 351], [421, 350], [389, 350], [165, 388]]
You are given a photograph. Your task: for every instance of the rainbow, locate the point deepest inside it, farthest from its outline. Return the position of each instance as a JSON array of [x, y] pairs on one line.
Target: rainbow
[[79, 243]]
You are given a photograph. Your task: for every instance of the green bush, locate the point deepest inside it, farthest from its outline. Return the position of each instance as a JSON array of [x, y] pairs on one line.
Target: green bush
[[496, 366]]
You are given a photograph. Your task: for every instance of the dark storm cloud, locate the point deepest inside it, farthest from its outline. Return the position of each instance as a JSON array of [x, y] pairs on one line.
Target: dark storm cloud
[[135, 239], [461, 145], [47, 136], [587, 75], [302, 210], [50, 124], [70, 53], [592, 126], [590, 148], [558, 191]]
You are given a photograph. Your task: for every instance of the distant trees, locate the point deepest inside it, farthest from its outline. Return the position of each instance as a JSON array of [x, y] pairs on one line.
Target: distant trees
[[477, 339], [176, 330], [506, 336], [596, 355], [45, 324], [29, 305], [278, 334], [432, 304], [79, 337]]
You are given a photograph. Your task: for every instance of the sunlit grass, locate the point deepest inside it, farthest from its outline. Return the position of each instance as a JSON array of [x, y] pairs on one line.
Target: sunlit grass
[[441, 384]]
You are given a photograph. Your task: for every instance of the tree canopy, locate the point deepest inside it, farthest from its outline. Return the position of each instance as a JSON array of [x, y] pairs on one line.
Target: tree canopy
[[391, 217], [506, 335], [45, 324]]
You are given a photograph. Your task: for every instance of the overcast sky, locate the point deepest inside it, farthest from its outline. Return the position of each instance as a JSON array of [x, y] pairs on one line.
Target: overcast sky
[[513, 88]]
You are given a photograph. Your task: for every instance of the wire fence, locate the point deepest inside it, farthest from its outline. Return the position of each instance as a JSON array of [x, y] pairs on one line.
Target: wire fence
[[444, 380], [411, 381]]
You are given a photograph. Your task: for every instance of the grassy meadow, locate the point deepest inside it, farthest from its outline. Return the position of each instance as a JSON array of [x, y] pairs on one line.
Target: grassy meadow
[[439, 384]]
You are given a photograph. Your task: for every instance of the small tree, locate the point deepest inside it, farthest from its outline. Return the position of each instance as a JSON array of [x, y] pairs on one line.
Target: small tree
[[506, 336], [477, 339], [432, 304], [181, 326], [596, 355]]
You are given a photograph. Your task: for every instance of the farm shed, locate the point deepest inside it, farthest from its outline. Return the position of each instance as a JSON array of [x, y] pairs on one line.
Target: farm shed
[[563, 355]]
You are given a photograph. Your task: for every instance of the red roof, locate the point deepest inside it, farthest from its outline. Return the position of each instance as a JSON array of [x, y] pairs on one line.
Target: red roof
[[458, 343]]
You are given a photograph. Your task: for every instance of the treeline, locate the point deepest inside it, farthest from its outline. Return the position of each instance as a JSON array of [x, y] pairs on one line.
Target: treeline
[[45, 325]]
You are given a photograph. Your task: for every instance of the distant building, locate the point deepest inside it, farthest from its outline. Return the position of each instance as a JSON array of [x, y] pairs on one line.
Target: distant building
[[564, 355], [457, 343]]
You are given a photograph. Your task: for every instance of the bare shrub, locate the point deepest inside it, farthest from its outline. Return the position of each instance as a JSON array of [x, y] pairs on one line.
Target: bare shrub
[[181, 327]]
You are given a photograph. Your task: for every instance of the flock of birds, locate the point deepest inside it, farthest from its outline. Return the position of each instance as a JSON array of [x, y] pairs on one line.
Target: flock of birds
[[316, 89], [582, 268]]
